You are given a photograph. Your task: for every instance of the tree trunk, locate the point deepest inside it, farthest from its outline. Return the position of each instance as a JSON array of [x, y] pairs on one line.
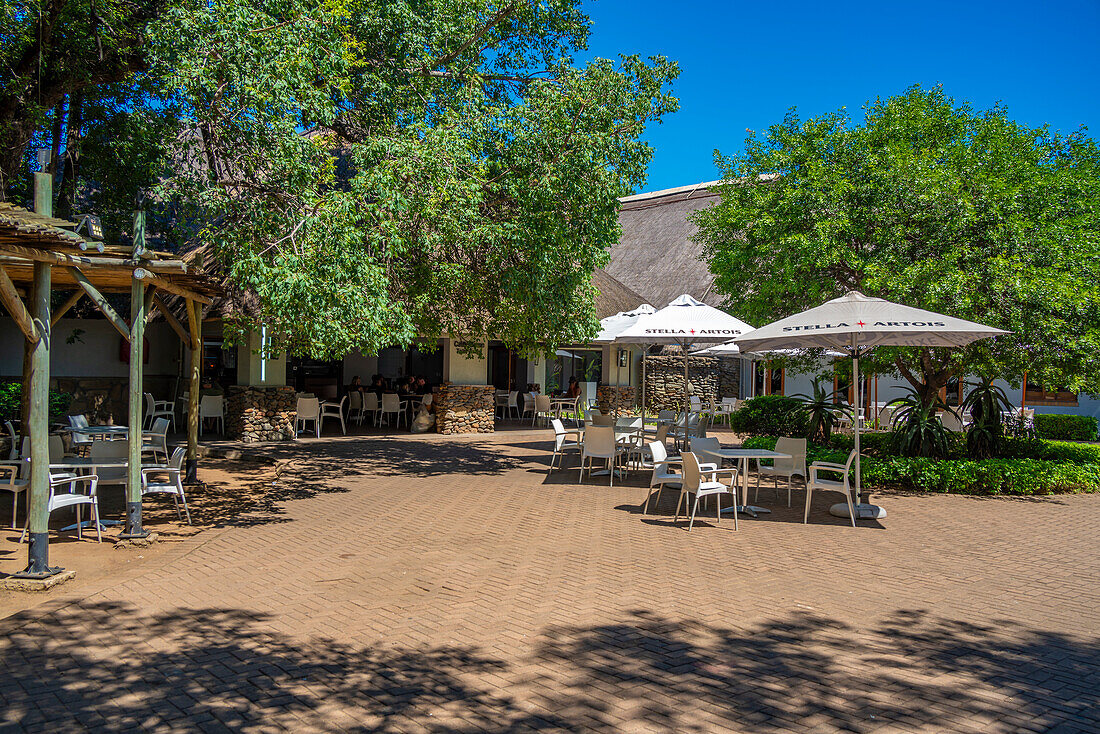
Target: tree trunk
[[66, 190], [930, 379]]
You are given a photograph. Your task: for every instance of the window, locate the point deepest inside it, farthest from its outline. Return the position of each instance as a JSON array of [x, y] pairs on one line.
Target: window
[[769, 381], [1049, 395], [952, 392]]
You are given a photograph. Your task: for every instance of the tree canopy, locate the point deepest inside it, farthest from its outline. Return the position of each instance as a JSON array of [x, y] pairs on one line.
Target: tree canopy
[[370, 172], [930, 203]]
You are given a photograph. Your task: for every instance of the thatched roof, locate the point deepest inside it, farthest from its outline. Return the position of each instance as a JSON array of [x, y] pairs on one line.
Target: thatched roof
[[612, 296], [656, 255]]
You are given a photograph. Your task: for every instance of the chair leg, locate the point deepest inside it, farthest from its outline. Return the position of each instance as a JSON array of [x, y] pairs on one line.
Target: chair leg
[[718, 512], [694, 509], [851, 506], [79, 529], [809, 493], [186, 511], [95, 518]]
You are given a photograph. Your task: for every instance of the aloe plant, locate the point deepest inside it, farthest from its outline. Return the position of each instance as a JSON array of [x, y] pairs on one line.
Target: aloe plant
[[916, 429], [985, 401], [824, 412]]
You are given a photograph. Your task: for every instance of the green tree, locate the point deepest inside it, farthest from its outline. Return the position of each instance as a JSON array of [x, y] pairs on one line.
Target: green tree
[[928, 203]]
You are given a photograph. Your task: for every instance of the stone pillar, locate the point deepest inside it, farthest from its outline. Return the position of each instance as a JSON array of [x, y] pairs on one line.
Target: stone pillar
[[465, 408], [615, 400], [254, 414]]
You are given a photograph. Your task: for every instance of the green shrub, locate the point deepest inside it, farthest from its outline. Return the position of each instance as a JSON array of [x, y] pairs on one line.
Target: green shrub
[[12, 391], [1065, 427], [1043, 467], [772, 415]]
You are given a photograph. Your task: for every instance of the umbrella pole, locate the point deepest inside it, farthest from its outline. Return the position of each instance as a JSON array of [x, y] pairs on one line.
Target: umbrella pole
[[855, 378], [645, 354]]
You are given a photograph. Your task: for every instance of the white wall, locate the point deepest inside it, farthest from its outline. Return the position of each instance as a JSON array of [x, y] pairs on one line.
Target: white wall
[[95, 354], [460, 370]]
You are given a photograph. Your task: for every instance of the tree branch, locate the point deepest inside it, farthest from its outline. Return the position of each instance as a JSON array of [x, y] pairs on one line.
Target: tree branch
[[448, 58]]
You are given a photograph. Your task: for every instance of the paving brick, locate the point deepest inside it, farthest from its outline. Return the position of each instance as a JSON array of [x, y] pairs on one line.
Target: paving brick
[[448, 584]]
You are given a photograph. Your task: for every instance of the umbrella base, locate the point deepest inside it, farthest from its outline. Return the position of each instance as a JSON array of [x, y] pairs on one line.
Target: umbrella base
[[863, 511]]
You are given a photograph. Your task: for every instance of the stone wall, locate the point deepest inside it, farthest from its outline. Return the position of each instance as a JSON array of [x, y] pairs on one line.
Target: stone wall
[[729, 377], [615, 400], [664, 381], [255, 414], [105, 399], [465, 408]]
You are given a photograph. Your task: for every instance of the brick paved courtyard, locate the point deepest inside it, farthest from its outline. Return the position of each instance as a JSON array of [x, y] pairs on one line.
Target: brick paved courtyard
[[446, 584]]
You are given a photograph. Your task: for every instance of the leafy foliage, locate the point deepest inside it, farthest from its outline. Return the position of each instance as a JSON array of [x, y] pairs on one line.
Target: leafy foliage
[[823, 412], [984, 402], [11, 395], [1061, 470], [917, 430], [1066, 427], [774, 415], [930, 203]]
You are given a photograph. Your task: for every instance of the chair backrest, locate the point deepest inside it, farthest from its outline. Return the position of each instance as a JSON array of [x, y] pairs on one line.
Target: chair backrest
[[356, 402], [705, 448], [731, 402], [176, 462], [57, 449], [666, 415], [210, 406], [108, 450], [149, 402], [391, 403], [885, 415], [426, 400], [370, 401], [659, 452], [599, 440], [558, 426], [513, 399], [629, 422], [13, 453], [691, 472], [796, 447], [599, 419], [542, 403], [160, 426], [308, 408], [695, 402], [662, 433], [78, 421]]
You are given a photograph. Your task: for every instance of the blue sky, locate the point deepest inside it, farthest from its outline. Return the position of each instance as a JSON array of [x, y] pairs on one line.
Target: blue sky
[[744, 64]]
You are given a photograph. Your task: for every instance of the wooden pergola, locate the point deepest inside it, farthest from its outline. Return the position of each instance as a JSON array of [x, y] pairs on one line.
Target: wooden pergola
[[39, 254]]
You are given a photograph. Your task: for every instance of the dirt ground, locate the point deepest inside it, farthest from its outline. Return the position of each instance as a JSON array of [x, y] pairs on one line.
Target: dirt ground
[[229, 489]]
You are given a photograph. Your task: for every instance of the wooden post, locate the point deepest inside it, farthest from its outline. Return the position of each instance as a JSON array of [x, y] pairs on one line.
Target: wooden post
[[1023, 393], [194, 323], [135, 415], [38, 429]]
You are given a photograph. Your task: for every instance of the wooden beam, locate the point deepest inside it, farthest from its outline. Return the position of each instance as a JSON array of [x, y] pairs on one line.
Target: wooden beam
[[15, 306], [177, 290], [194, 321], [135, 413], [101, 303], [172, 320], [63, 258], [66, 307]]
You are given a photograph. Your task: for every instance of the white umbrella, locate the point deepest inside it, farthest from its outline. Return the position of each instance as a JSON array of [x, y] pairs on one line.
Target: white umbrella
[[612, 326], [856, 323], [686, 322]]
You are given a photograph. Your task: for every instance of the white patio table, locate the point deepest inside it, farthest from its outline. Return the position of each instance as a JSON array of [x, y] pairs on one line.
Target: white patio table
[[743, 456]]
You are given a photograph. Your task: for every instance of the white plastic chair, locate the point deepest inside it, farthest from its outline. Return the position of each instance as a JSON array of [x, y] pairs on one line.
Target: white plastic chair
[[816, 482], [659, 463], [599, 443], [73, 498], [335, 410], [110, 451], [789, 468], [157, 409], [212, 406], [950, 420], [370, 405], [165, 479], [693, 483], [155, 440], [10, 482], [355, 407], [13, 452], [563, 442], [79, 440], [513, 404], [528, 406], [307, 409], [392, 404], [542, 409]]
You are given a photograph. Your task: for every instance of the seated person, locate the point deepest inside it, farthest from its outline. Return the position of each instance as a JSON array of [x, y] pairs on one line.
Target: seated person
[[574, 390]]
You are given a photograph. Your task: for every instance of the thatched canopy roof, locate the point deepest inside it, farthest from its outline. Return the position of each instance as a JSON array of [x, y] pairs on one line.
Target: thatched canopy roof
[[613, 296], [656, 256]]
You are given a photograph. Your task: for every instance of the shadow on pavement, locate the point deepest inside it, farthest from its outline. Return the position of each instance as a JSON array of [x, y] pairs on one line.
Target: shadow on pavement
[[110, 667]]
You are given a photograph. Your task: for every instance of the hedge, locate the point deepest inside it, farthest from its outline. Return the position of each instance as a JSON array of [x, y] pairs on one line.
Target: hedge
[[1065, 427], [770, 415], [1066, 468]]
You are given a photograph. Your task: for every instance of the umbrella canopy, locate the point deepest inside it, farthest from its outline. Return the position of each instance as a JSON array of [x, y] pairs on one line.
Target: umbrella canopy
[[612, 326], [856, 321], [685, 321], [729, 349]]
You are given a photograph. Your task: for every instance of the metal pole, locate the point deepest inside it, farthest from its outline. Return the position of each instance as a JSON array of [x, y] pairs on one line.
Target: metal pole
[[38, 429], [645, 353], [133, 463], [1023, 394]]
